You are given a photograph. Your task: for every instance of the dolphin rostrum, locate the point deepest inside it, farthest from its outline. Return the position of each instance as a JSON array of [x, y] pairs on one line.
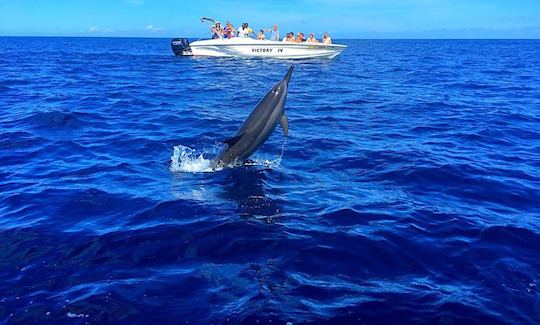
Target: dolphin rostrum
[[258, 127]]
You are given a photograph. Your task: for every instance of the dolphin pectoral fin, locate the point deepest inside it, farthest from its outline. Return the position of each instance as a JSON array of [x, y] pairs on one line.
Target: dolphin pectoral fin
[[284, 124], [230, 142]]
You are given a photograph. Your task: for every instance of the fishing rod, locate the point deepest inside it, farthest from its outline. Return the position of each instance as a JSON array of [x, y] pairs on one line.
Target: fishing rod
[[207, 19]]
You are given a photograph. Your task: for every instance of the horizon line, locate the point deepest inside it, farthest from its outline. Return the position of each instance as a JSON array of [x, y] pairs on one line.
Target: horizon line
[[347, 38]]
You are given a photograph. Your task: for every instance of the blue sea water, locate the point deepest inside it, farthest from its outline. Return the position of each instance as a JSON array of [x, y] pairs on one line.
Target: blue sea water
[[408, 190]]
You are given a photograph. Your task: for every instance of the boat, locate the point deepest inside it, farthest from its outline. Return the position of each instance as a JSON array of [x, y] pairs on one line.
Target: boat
[[248, 47]]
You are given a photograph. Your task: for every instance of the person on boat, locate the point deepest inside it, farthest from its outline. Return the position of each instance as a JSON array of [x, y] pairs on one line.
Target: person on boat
[[229, 30], [261, 36], [300, 37], [326, 39], [217, 30], [245, 31], [312, 39], [242, 31], [287, 38], [290, 38], [274, 36]]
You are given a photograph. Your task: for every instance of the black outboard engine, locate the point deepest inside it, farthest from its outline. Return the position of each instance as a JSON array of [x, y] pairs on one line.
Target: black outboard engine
[[180, 46]]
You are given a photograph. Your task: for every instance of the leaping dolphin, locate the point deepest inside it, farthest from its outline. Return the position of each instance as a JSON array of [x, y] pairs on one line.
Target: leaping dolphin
[[259, 125]]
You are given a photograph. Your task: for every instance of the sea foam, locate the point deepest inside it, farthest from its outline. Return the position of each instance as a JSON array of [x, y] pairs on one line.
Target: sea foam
[[189, 160]]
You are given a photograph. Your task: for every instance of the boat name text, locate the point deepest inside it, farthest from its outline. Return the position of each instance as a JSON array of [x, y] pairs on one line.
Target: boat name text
[[265, 50]]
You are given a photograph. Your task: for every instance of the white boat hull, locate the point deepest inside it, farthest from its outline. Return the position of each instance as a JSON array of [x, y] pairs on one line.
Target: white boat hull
[[247, 47]]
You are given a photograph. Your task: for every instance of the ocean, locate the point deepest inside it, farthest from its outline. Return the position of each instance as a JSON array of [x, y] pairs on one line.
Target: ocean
[[407, 191]]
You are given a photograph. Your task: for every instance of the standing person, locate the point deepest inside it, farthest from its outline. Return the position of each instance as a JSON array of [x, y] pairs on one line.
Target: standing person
[[274, 36], [326, 39], [249, 31], [243, 31], [275, 33]]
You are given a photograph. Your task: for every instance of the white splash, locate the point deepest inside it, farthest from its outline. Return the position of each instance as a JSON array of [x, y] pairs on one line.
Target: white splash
[[264, 162], [187, 160]]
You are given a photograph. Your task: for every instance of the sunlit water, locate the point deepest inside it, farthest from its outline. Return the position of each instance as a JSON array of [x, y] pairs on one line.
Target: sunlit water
[[407, 189]]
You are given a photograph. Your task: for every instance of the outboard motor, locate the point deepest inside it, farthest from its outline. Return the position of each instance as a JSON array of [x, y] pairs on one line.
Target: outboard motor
[[180, 46]]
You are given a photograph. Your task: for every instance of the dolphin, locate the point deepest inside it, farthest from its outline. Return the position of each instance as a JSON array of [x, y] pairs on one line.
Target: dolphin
[[258, 127]]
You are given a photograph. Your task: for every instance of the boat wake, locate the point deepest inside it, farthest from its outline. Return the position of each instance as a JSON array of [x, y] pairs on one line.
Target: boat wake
[[189, 160]]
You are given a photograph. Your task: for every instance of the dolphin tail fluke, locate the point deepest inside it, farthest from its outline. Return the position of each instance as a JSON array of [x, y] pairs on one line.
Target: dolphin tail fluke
[[288, 75]]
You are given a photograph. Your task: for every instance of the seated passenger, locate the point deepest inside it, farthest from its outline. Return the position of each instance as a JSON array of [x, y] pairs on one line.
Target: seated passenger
[[300, 37], [261, 35], [326, 39], [217, 31], [285, 38], [229, 30], [291, 37], [312, 39]]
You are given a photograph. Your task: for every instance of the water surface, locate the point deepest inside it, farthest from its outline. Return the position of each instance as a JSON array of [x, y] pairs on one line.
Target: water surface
[[407, 190]]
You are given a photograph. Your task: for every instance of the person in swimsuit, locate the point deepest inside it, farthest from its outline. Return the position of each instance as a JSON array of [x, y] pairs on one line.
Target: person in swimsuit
[[326, 39], [261, 35]]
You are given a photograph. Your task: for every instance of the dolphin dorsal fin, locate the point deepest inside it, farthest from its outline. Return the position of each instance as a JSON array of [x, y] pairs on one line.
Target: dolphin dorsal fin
[[231, 141], [284, 124]]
